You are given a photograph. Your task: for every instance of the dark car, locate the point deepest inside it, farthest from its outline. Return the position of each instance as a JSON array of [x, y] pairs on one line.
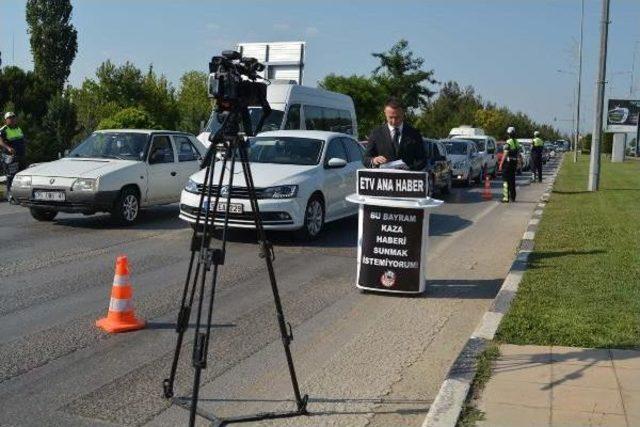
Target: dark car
[[438, 167]]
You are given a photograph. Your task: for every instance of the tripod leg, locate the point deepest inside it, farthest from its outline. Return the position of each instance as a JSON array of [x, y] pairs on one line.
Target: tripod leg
[[209, 257], [267, 253], [189, 288]]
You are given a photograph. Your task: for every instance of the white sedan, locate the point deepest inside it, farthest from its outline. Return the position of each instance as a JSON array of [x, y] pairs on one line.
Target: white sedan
[[116, 171], [301, 180]]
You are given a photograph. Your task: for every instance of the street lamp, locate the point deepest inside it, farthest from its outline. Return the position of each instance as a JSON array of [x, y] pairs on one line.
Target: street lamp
[[575, 106]]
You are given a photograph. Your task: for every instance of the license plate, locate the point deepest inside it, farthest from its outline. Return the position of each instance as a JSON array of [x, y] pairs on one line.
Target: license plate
[[49, 196], [235, 208]]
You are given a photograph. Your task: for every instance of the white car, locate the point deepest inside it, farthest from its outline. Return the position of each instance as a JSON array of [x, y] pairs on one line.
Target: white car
[[301, 178], [117, 171]]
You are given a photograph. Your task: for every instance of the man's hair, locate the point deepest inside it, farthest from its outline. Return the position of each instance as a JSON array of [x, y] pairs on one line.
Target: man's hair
[[393, 103]]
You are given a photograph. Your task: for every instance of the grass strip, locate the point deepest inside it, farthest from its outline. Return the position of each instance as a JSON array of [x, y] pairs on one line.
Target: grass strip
[[582, 285]]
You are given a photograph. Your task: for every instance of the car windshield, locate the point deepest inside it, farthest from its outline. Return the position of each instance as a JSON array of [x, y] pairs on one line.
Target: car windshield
[[479, 143], [112, 145], [285, 150], [457, 147], [273, 122]]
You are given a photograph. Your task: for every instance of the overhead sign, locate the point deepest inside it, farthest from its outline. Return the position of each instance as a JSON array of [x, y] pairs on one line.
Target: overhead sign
[[622, 115], [282, 60]]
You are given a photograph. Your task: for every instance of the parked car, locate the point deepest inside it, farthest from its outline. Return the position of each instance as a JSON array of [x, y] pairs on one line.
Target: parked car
[[486, 146], [301, 179], [117, 171], [298, 107], [465, 160], [438, 167]]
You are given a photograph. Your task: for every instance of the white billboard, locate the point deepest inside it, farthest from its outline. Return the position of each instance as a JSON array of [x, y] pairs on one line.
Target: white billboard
[[282, 60]]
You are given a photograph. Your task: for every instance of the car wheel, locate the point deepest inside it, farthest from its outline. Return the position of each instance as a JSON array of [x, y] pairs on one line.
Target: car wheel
[[127, 207], [42, 214], [313, 219]]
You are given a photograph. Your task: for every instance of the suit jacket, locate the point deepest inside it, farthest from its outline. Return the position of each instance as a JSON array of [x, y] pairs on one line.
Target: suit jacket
[[411, 149]]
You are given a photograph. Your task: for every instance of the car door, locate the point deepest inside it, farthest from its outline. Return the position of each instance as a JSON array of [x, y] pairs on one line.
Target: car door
[[188, 160], [163, 171], [335, 182], [491, 155], [442, 167], [355, 153]]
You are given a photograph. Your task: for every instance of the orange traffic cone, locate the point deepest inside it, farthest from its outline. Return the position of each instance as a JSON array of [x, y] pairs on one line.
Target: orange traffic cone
[[121, 317], [486, 193]]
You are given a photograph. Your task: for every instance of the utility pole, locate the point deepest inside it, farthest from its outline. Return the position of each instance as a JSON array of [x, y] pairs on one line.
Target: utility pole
[[633, 67], [594, 164], [577, 135]]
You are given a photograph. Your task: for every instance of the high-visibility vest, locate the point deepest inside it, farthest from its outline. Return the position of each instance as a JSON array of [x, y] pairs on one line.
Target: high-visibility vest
[[538, 142], [512, 147], [13, 134]]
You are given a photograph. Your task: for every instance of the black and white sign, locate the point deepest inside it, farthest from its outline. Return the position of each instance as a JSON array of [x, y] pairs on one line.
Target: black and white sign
[[393, 183], [391, 251], [622, 115]]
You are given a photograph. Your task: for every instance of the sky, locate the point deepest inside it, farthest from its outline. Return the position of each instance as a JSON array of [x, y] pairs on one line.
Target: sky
[[510, 51]]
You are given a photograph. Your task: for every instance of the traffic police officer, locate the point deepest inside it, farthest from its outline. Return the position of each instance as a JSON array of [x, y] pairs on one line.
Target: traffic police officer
[[12, 139], [509, 166], [536, 156]]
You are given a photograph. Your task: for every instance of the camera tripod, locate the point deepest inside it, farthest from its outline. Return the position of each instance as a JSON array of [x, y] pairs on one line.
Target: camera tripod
[[232, 143]]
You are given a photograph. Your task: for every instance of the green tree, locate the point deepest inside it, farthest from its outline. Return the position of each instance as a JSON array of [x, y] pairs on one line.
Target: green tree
[[59, 127], [193, 102], [129, 118], [400, 75], [159, 100], [453, 107], [120, 87], [53, 40], [367, 96]]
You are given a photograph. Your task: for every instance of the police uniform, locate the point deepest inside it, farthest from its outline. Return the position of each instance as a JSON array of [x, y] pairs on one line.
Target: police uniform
[[536, 158], [509, 168], [14, 138]]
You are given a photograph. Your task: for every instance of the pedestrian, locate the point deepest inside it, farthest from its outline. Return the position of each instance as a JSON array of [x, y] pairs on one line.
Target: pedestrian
[[509, 166], [536, 156], [395, 140], [12, 139]]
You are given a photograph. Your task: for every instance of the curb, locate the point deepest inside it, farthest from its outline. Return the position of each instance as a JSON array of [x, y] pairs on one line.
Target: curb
[[446, 408]]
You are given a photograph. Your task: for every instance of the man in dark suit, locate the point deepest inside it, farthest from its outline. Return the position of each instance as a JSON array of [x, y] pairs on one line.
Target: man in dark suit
[[395, 140]]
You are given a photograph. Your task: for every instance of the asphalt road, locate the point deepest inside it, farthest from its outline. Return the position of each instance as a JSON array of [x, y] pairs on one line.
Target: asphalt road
[[364, 359]]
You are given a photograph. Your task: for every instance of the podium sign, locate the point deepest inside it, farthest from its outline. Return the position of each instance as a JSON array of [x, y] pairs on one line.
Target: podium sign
[[393, 230]]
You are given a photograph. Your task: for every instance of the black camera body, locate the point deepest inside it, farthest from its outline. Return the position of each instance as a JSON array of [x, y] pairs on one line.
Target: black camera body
[[227, 85]]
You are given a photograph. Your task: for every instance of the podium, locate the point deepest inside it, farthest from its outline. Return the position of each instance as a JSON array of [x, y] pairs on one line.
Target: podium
[[393, 230]]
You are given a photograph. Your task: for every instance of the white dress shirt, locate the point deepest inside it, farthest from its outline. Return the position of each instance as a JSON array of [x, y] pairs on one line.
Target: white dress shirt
[[392, 130]]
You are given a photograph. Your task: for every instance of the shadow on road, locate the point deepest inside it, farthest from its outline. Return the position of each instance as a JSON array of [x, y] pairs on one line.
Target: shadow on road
[[384, 405], [338, 234], [444, 225], [157, 218], [462, 289]]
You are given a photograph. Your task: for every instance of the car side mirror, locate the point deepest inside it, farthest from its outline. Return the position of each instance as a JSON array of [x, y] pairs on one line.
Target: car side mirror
[[335, 163]]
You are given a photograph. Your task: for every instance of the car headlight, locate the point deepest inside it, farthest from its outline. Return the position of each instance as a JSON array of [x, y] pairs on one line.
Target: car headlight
[[22, 181], [192, 186], [84, 184], [280, 192]]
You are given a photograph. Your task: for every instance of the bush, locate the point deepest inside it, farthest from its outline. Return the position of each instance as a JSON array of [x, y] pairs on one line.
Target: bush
[[129, 118]]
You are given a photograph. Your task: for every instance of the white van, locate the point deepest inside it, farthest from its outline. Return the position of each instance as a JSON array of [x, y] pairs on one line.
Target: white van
[[296, 107], [485, 144], [465, 130]]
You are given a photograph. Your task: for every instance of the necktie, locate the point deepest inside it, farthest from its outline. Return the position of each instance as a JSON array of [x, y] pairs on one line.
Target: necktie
[[396, 138]]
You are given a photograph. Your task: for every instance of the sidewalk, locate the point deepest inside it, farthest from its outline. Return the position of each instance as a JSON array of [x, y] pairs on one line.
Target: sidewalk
[[562, 386]]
